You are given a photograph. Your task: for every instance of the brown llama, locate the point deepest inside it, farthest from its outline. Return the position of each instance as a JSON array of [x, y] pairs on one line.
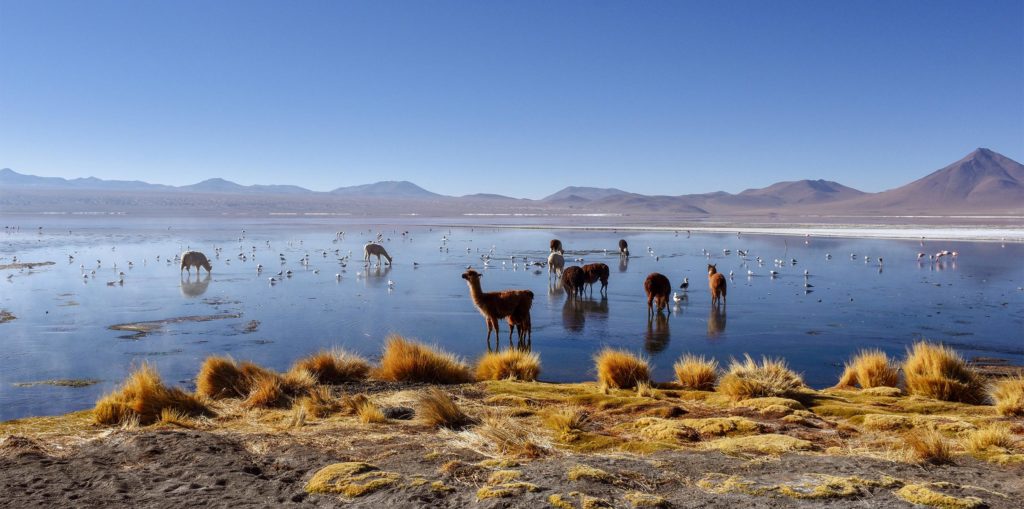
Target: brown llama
[[573, 280], [658, 289], [513, 305], [195, 259], [556, 246], [623, 247], [716, 282], [592, 272]]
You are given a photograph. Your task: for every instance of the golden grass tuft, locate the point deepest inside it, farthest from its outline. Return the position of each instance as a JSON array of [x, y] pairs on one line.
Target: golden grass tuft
[[143, 397], [319, 402], [369, 413], [870, 369], [748, 379], [410, 361], [696, 373], [437, 409], [566, 419], [266, 391], [1008, 395], [220, 377], [510, 364], [581, 471], [508, 437], [996, 437], [919, 494], [621, 369], [175, 417], [352, 479], [929, 446], [770, 443], [333, 367], [938, 372], [638, 500]]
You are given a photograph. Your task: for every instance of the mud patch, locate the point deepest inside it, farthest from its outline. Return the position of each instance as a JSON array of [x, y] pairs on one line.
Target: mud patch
[[141, 329], [60, 382]]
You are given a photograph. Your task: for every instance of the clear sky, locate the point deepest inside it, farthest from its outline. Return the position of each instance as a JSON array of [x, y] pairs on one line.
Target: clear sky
[[519, 98]]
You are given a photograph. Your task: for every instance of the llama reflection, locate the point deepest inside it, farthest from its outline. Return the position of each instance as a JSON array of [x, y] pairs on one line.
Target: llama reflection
[[195, 288]]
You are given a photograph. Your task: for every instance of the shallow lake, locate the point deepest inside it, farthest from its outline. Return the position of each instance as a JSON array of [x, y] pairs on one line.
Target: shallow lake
[[62, 326]]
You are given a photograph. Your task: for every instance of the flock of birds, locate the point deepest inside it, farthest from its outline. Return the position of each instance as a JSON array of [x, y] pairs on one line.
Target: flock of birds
[[248, 252]]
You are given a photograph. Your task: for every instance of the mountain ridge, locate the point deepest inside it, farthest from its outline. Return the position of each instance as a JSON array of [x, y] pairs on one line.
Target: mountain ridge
[[983, 180]]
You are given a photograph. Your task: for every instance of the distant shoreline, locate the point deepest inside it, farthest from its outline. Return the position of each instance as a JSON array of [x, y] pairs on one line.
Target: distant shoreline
[[987, 228]]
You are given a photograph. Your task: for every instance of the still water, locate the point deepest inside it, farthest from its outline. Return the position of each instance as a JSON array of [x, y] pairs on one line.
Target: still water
[[62, 327]]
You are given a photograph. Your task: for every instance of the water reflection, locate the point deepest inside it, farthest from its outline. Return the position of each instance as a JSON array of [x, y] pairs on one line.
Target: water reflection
[[376, 276], [575, 311], [623, 263], [716, 321], [657, 336], [195, 288]]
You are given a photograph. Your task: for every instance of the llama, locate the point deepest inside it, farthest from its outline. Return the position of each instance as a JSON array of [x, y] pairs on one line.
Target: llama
[[592, 272], [573, 280], [658, 289], [513, 305], [716, 282], [623, 247], [556, 246], [195, 259], [556, 263], [371, 249]]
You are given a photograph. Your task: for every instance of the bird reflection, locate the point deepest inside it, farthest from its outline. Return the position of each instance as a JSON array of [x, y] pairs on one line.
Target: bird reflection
[[657, 336], [623, 263], [716, 321], [195, 288]]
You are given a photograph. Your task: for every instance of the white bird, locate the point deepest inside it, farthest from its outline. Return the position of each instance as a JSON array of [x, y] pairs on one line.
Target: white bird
[[806, 273], [676, 297], [750, 273], [391, 284], [773, 273]]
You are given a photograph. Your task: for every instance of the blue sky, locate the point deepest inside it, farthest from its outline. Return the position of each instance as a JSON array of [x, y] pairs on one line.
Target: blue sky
[[519, 98]]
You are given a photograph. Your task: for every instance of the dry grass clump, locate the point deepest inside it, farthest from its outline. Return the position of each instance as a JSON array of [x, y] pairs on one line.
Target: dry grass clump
[[438, 410], [410, 361], [919, 494], [747, 379], [512, 363], [869, 369], [984, 440], [334, 366], [352, 479], [319, 402], [930, 447], [566, 419], [696, 373], [266, 391], [508, 437], [221, 377], [621, 369], [1008, 395], [369, 413], [938, 372], [142, 398]]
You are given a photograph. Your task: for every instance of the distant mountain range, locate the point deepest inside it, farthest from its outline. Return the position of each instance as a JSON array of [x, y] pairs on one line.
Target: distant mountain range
[[983, 182]]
